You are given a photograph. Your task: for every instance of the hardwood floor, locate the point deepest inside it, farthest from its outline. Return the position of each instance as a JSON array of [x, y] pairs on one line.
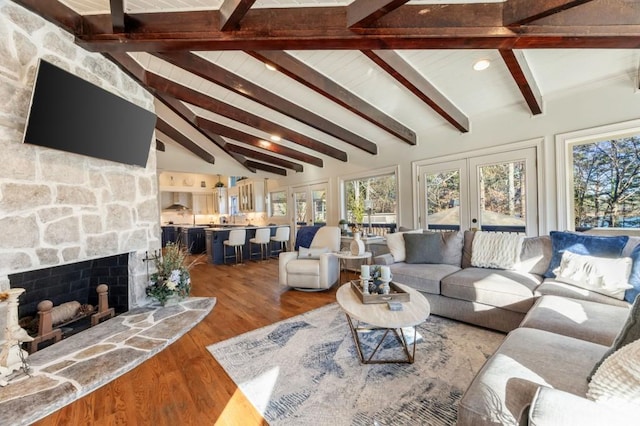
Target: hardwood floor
[[184, 385]]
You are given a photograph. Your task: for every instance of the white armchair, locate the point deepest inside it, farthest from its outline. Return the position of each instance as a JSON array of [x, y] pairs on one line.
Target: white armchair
[[319, 270]]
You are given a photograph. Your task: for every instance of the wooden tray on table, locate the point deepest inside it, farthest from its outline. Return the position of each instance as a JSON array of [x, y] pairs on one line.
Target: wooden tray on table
[[396, 294]]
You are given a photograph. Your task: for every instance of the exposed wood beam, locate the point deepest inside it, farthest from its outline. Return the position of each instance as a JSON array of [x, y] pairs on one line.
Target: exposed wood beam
[[361, 13], [267, 168], [261, 156], [521, 73], [232, 12], [218, 75], [177, 136], [160, 146], [117, 16], [158, 84], [411, 79], [318, 82], [138, 73], [193, 97], [522, 12], [454, 26], [237, 135]]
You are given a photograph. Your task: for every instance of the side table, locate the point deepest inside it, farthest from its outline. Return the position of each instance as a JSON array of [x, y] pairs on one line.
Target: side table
[[343, 256]]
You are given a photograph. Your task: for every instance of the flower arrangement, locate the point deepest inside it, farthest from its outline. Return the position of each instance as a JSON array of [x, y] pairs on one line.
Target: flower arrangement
[[172, 277]]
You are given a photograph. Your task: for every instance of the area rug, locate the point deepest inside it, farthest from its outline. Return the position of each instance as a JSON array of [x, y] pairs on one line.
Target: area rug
[[305, 371]]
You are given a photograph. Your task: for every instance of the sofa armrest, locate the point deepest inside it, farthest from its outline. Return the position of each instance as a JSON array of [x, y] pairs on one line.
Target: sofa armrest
[[284, 258], [553, 407], [329, 270], [383, 259]]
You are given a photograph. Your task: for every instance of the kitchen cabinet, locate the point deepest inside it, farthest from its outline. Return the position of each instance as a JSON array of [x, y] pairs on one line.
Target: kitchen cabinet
[[203, 204], [250, 196], [219, 200], [194, 239]]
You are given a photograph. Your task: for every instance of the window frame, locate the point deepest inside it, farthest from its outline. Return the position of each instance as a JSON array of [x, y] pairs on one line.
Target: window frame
[[286, 203], [564, 170]]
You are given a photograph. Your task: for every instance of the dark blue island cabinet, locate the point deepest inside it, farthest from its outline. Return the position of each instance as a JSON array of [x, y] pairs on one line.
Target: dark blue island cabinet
[[215, 247], [193, 238]]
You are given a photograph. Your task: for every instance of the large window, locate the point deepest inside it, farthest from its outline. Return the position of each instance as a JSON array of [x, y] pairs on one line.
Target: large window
[[606, 183], [599, 173], [278, 203], [372, 200]]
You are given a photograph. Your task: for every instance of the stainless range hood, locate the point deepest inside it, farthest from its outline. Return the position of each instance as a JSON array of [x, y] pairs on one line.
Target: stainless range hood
[[179, 203]]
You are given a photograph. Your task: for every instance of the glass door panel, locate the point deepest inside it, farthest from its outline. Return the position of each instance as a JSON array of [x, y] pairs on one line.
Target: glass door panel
[[319, 197], [505, 191], [443, 189]]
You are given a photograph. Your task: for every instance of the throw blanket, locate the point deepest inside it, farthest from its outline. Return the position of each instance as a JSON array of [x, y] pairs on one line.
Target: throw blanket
[[496, 250]]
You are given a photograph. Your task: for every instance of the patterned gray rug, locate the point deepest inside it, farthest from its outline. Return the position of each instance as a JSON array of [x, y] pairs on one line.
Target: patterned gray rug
[[305, 371]]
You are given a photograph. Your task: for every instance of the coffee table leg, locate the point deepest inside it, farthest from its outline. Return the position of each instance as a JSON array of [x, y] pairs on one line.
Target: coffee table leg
[[410, 357]]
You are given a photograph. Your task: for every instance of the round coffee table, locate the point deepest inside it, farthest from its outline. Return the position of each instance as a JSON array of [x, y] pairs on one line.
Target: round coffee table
[[379, 316]]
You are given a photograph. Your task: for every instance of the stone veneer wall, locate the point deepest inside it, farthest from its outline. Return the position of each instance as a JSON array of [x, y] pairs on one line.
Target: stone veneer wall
[[58, 208]]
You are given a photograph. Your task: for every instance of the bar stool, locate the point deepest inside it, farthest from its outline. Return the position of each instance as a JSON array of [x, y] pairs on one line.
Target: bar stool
[[262, 238], [282, 238], [237, 238]]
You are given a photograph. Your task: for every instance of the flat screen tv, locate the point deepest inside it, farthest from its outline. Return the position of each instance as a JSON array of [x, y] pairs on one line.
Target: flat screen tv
[[70, 114]]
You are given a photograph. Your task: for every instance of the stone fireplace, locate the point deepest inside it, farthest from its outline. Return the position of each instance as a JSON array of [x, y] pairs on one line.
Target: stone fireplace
[[59, 209]]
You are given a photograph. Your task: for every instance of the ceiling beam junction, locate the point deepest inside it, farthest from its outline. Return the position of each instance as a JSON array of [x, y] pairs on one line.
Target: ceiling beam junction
[[117, 16], [361, 13], [232, 12], [218, 75], [522, 75], [318, 82], [394, 65]]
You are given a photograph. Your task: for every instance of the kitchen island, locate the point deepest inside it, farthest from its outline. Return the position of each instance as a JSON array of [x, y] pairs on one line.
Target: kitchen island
[[215, 237]]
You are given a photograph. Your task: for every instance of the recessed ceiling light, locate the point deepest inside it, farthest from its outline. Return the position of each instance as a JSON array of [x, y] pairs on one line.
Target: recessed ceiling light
[[275, 138], [269, 67], [482, 64]]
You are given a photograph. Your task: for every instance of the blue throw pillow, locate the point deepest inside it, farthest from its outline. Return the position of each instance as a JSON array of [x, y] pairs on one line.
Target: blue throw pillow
[[634, 278], [593, 245]]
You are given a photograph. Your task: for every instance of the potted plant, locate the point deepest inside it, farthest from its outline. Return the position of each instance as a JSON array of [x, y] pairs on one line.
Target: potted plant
[[344, 225], [172, 281]]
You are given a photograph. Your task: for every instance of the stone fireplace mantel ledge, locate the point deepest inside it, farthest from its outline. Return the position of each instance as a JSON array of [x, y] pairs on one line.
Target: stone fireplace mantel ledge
[[76, 366]]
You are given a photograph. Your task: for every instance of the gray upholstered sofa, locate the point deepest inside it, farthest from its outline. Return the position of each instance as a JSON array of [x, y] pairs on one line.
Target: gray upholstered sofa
[[557, 332]]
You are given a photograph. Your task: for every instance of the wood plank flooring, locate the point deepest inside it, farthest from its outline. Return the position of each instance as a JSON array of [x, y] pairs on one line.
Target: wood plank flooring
[[184, 385]]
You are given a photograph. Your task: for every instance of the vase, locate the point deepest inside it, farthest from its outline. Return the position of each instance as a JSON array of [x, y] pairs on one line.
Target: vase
[[357, 245]]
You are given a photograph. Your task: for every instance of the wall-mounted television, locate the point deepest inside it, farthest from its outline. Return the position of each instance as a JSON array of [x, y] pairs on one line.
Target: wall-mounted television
[[70, 114]]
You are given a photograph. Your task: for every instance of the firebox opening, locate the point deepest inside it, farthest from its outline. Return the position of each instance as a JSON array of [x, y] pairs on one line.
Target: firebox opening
[[73, 284]]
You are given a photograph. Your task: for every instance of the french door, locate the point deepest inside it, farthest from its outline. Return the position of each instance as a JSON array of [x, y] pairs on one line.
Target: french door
[[309, 205], [495, 192]]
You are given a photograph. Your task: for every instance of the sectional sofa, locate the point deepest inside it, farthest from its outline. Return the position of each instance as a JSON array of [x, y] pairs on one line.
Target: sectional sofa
[[558, 329]]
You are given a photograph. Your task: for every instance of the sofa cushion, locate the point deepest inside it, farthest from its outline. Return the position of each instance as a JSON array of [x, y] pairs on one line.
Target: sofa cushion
[[422, 248], [509, 290], [527, 359], [395, 243], [630, 332], [558, 288], [535, 255], [311, 253], [600, 274], [582, 319], [303, 267], [451, 246], [423, 277], [634, 277], [467, 248], [593, 245]]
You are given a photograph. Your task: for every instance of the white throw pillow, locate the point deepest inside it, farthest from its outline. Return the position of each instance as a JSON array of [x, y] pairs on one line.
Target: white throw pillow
[[395, 243], [617, 382], [311, 253], [600, 274]]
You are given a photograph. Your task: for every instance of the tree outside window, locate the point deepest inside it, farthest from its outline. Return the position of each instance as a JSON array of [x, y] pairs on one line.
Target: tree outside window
[[278, 203], [606, 183], [380, 192]]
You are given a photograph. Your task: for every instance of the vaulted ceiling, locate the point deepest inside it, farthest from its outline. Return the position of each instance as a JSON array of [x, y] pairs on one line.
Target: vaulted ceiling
[[346, 78]]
